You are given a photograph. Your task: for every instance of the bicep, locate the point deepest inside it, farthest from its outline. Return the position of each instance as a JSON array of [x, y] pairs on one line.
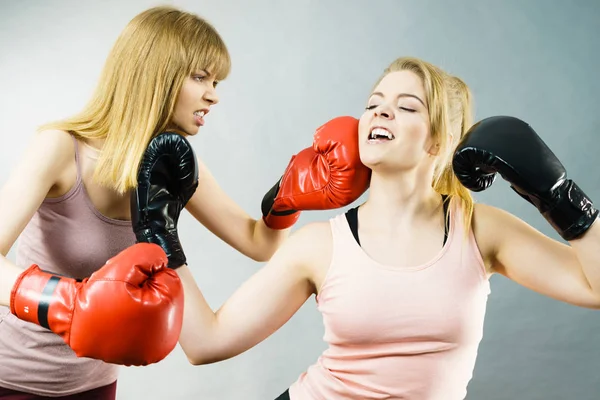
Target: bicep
[[28, 184], [536, 261]]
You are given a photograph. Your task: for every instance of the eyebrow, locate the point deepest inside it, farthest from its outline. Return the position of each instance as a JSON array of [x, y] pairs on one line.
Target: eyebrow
[[401, 95], [203, 70]]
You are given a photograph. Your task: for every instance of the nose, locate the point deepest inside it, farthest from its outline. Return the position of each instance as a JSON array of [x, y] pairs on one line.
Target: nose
[[384, 111], [211, 96]]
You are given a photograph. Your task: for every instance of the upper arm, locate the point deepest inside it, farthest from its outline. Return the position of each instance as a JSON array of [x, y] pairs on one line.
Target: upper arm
[[30, 181], [523, 254], [269, 298]]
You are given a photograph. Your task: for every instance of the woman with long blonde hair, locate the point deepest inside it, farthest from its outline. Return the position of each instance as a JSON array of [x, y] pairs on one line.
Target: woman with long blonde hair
[[69, 201], [402, 280]]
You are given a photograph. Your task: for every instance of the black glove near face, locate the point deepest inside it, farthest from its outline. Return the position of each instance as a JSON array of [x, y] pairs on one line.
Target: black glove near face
[[510, 147]]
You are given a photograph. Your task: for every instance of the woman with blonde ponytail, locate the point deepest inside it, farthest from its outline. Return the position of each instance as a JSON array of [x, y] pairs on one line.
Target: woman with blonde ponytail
[[402, 281]]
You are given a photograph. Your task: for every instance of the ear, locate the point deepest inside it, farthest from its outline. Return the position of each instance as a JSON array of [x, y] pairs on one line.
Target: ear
[[434, 150]]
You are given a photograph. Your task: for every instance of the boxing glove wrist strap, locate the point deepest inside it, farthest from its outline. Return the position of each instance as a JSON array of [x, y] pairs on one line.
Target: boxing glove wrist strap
[[168, 240], [32, 294], [571, 211], [277, 219]]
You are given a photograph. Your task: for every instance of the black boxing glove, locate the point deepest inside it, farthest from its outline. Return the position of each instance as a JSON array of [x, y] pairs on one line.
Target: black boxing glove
[[510, 147], [167, 179]]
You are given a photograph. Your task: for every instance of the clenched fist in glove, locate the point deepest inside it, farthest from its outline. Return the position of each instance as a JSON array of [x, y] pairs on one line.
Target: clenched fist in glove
[[129, 312], [167, 179], [325, 176], [511, 148]]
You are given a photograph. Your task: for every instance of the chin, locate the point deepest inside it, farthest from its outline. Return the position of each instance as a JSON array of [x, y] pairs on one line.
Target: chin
[[370, 160], [373, 155], [192, 132]]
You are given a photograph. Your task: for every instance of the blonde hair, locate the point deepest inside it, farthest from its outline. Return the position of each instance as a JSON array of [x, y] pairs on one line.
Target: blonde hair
[[449, 103], [139, 85]]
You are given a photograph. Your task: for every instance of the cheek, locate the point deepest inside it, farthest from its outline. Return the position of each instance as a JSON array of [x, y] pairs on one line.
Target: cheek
[[419, 129], [185, 98], [363, 127]]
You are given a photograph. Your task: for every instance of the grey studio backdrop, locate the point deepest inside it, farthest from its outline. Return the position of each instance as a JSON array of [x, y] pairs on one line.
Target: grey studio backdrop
[[297, 64]]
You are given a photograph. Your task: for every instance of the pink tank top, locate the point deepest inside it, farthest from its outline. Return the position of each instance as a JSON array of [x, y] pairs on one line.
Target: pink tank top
[[398, 333], [68, 236]]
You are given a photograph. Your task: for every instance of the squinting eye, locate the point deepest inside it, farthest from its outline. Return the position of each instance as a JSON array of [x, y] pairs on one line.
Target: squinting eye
[[198, 78], [370, 107], [407, 109]]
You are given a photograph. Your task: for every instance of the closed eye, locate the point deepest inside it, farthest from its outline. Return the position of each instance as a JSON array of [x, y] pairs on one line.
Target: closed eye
[[407, 109]]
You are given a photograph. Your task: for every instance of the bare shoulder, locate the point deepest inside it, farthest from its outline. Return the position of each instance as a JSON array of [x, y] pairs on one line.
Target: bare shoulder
[[52, 147], [311, 243], [311, 249], [46, 154], [32, 178], [58, 159], [56, 139], [315, 236]]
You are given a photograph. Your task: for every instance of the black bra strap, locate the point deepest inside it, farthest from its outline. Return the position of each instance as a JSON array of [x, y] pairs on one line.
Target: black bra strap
[[352, 218]]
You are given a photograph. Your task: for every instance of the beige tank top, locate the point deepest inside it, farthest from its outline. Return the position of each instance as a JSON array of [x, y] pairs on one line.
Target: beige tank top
[[68, 236], [399, 333]]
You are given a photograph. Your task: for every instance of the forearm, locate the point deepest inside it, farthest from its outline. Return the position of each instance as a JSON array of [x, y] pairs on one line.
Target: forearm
[[266, 240], [9, 273], [587, 248]]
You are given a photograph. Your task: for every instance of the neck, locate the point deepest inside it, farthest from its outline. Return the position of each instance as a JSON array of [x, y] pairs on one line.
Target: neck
[[401, 199]]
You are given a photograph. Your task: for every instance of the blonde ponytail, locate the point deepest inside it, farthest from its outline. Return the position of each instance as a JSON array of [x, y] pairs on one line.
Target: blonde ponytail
[[460, 120]]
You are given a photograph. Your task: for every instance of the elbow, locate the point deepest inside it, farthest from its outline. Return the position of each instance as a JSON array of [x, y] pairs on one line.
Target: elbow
[[260, 253], [590, 306], [202, 353], [262, 256], [195, 360], [595, 305], [264, 252], [198, 357]]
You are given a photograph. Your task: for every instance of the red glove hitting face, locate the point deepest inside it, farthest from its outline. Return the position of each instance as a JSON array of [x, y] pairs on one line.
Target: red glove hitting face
[[326, 176]]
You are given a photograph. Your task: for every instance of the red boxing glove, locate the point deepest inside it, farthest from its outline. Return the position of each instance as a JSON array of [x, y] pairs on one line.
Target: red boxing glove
[[129, 312], [326, 176]]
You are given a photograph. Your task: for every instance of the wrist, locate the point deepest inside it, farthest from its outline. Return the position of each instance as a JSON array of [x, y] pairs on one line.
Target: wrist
[[572, 212], [31, 294], [273, 217], [169, 243]]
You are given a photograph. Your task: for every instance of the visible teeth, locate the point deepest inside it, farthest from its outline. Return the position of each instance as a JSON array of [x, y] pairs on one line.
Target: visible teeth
[[380, 133], [199, 114]]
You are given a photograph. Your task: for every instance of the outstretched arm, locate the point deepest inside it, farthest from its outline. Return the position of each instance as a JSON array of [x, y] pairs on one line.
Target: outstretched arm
[[324, 176], [260, 306], [221, 215]]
